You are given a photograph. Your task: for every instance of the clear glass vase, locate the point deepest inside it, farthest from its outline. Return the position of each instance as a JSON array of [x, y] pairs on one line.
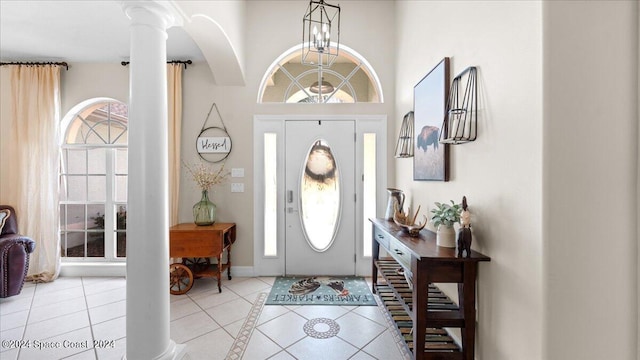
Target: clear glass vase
[[204, 211]]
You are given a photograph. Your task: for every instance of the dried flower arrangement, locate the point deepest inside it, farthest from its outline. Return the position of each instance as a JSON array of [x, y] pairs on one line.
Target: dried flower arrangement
[[206, 176]]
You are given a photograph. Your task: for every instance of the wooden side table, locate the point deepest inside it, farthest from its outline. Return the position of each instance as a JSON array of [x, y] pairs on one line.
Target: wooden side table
[[189, 240]]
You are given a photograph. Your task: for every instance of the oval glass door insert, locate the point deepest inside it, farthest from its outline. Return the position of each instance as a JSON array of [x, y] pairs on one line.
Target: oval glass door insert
[[320, 196]]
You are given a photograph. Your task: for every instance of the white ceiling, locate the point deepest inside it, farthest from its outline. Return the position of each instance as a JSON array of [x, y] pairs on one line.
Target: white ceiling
[[75, 31]]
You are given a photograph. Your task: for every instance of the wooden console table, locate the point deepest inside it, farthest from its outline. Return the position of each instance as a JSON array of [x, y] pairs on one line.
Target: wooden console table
[[196, 244], [419, 309]]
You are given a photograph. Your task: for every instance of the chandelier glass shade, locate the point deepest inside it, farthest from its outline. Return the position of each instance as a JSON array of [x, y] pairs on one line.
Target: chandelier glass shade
[[320, 34], [325, 88]]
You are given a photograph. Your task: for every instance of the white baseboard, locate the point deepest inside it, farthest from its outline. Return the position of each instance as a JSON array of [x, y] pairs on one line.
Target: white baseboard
[[242, 271], [120, 269], [93, 269]]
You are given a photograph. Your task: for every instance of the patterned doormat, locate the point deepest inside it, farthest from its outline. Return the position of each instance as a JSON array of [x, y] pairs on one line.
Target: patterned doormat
[[321, 290]]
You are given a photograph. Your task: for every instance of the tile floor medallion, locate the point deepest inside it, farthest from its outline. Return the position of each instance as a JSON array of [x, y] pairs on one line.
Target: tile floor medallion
[[321, 328]]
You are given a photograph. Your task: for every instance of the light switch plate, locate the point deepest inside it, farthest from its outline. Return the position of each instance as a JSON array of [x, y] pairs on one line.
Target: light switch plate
[[237, 187], [237, 172]]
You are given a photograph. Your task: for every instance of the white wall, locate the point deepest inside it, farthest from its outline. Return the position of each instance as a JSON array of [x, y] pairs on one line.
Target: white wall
[[590, 179], [501, 172], [91, 80], [553, 193], [638, 203]]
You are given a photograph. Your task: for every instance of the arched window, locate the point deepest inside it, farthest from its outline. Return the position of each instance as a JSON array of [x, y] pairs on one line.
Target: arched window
[[349, 80], [93, 181]]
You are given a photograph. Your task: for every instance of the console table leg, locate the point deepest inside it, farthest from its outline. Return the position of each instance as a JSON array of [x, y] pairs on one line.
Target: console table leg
[[467, 301], [420, 301], [375, 255]]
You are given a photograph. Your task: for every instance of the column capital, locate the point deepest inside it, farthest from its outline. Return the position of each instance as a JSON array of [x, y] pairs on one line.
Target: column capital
[[164, 14]]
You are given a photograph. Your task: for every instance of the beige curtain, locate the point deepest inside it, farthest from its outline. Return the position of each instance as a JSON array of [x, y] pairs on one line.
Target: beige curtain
[[174, 92], [36, 119]]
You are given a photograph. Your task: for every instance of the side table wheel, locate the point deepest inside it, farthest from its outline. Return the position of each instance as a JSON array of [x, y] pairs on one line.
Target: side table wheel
[[180, 279]]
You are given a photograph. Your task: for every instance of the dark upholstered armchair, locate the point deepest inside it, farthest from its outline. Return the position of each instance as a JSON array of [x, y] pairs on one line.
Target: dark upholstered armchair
[[14, 254]]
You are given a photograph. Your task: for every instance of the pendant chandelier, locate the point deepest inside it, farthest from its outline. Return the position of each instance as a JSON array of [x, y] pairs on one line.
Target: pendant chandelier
[[320, 34]]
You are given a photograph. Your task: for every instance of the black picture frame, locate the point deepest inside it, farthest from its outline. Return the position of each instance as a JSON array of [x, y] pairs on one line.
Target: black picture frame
[[430, 158]]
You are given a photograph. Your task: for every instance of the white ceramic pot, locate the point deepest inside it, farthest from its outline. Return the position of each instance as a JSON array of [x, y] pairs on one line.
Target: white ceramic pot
[[446, 236]]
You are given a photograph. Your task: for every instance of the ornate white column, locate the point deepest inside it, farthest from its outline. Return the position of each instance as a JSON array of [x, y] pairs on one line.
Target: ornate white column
[[148, 334]]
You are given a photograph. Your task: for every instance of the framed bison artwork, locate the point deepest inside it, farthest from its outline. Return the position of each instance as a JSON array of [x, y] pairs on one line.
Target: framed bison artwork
[[430, 158]]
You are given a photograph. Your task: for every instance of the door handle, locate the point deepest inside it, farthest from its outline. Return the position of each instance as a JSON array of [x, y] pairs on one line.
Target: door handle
[[290, 209]]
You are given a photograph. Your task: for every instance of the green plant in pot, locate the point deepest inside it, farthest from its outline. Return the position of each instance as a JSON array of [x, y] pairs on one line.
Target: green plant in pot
[[444, 216]]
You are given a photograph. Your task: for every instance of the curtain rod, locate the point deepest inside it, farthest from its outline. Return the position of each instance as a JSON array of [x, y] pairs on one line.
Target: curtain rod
[[183, 62], [36, 63]]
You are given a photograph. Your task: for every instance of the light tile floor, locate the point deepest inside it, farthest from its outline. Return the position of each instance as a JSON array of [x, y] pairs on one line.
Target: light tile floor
[[79, 310]]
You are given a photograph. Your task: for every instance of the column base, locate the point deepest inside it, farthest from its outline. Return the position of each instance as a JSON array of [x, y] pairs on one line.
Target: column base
[[174, 352]]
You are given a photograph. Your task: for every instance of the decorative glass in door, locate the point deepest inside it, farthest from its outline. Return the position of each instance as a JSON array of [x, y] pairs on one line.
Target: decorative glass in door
[[320, 200]]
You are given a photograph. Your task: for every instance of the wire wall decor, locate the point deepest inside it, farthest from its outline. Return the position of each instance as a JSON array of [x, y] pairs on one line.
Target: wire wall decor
[[460, 123], [404, 146]]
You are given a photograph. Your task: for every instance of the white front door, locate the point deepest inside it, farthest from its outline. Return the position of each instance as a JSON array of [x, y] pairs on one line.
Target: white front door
[[320, 197]]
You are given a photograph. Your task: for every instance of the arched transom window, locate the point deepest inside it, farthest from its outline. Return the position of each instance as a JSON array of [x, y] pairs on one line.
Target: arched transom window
[[349, 80], [93, 181]]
